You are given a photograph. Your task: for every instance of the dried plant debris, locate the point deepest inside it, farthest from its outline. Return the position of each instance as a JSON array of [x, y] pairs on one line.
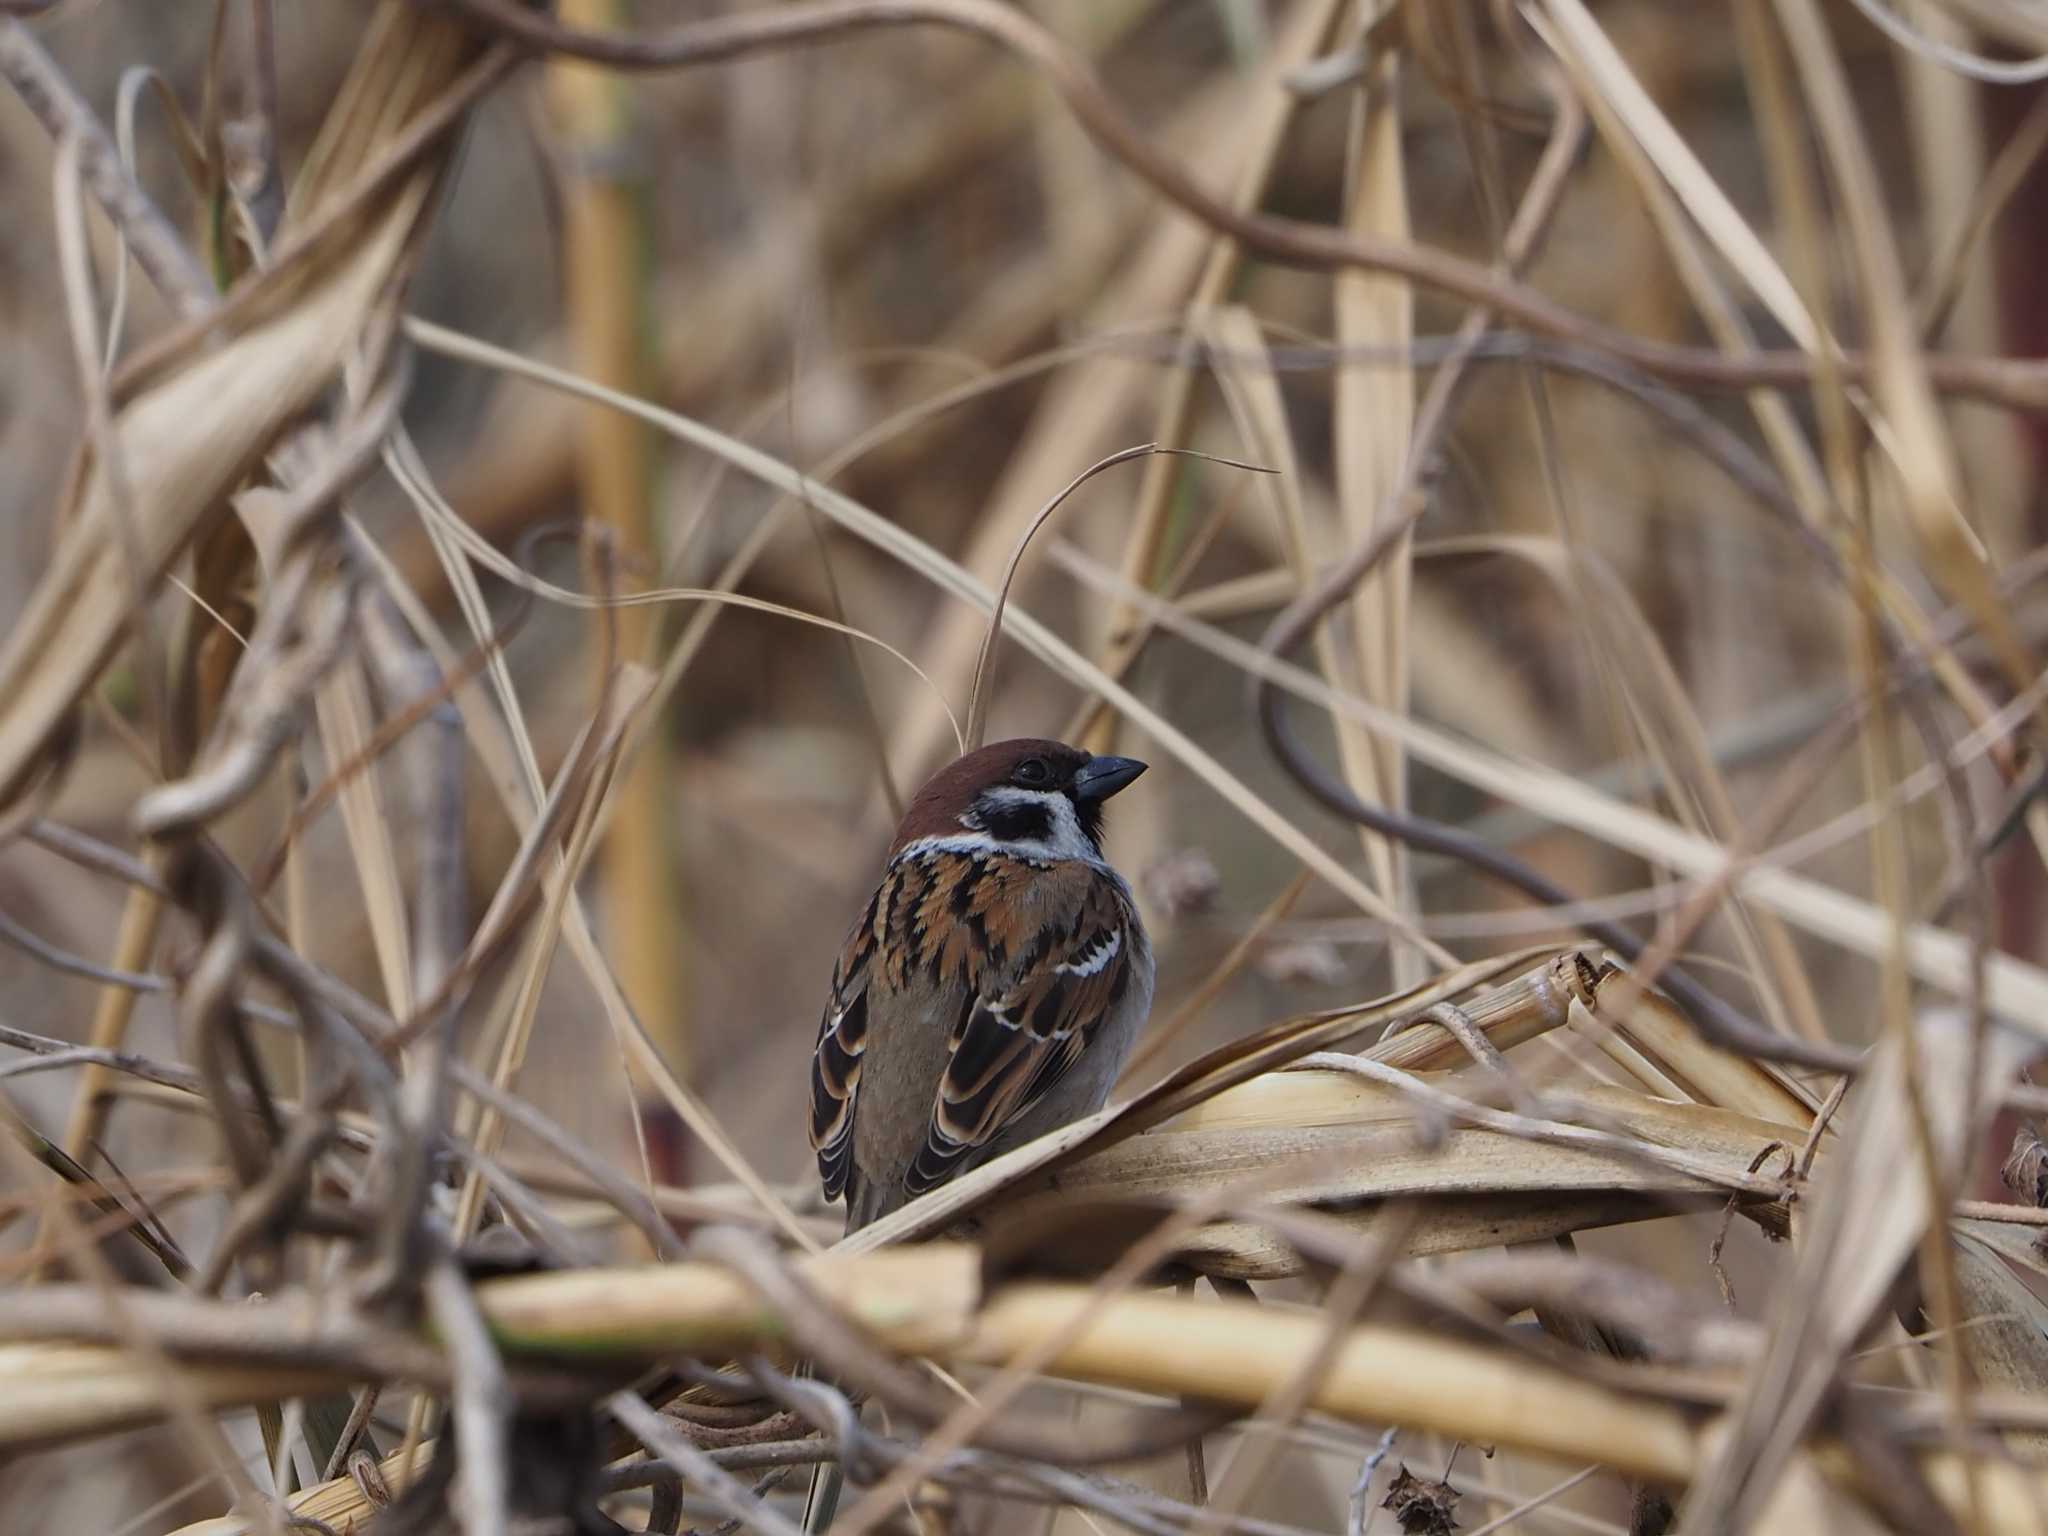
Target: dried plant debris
[[1423, 1506], [556, 1463], [1185, 882], [1301, 962], [2025, 1170], [1651, 1512]]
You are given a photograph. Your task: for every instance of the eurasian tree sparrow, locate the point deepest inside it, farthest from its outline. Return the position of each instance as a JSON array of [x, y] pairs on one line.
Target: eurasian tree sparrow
[[993, 986]]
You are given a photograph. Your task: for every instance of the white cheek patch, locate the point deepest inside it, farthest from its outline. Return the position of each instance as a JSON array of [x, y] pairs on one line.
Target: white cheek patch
[[953, 842], [1064, 838], [1097, 956]]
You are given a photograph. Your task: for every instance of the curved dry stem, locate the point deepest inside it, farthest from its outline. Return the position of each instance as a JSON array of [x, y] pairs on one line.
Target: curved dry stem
[[984, 666]]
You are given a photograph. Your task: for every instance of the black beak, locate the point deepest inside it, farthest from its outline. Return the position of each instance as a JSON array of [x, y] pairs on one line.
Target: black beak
[[1101, 777]]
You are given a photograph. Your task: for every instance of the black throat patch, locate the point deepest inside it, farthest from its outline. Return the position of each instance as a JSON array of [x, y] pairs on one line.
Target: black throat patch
[[1089, 813]]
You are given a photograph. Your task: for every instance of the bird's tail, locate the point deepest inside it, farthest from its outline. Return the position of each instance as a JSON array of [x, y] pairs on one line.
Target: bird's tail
[[869, 1200], [823, 1503], [866, 1201]]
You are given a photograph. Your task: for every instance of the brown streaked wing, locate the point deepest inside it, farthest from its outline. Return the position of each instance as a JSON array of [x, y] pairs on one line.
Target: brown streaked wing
[[1028, 1028], [835, 1064]]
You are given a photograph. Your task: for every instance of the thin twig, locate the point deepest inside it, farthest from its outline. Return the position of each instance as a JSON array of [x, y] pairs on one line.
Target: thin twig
[[46, 92], [482, 1402], [660, 1437]]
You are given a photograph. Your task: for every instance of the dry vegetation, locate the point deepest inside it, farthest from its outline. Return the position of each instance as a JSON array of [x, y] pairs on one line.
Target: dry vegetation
[[491, 538]]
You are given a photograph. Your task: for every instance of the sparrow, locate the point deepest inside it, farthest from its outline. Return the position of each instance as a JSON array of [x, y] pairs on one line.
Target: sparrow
[[993, 986]]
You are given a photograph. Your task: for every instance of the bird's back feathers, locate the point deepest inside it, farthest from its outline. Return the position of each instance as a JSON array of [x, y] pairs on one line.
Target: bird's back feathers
[[1001, 975]]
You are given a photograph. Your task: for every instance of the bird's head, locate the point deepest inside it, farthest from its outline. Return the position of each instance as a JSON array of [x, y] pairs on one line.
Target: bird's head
[[1035, 798]]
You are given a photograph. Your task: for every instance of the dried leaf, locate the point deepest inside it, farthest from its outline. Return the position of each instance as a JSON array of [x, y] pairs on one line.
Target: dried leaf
[[2004, 1330], [1422, 1505], [1872, 1210], [2025, 1171], [191, 429]]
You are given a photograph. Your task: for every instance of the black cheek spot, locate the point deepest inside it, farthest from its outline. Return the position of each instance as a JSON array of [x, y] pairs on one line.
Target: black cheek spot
[[1017, 823]]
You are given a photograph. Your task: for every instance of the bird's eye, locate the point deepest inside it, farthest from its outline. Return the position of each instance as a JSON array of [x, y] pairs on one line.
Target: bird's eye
[[1034, 771]]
